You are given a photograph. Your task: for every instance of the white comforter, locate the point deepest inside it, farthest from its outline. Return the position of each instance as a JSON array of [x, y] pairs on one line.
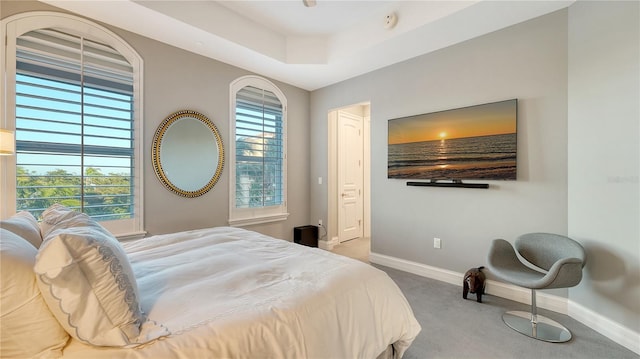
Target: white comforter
[[231, 293]]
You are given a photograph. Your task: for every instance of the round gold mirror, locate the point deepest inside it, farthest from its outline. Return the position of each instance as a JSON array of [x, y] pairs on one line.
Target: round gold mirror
[[187, 153]]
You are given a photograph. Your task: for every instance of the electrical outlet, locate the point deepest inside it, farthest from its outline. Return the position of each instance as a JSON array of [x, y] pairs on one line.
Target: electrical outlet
[[320, 222], [436, 243]]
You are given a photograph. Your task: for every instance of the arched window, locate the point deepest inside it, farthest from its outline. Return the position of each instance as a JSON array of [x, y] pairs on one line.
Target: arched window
[[74, 98], [258, 156]]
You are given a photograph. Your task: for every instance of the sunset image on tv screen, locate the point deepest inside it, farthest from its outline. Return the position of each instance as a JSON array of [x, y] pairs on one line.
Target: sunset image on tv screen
[[476, 142]]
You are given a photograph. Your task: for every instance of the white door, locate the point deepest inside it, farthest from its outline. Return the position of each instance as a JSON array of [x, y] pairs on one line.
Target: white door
[[350, 176]]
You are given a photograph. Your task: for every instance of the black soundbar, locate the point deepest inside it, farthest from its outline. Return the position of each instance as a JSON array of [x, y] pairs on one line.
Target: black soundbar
[[455, 183]]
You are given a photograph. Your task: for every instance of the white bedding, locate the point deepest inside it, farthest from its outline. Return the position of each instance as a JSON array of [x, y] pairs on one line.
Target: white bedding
[[231, 293]]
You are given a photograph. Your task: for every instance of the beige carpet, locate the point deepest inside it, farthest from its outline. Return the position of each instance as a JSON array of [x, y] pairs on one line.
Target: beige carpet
[[454, 328], [358, 248]]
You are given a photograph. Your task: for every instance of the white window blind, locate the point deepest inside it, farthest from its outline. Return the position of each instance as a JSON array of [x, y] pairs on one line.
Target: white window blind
[[259, 149], [74, 125]]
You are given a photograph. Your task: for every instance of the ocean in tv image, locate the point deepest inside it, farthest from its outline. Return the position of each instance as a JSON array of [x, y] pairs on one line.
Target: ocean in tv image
[[477, 142]]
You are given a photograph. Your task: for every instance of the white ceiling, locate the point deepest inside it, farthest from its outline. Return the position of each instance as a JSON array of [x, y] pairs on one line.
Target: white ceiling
[[310, 47]]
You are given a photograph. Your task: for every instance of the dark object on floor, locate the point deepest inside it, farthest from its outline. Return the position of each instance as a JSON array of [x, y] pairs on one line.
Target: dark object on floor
[[473, 282], [306, 235]]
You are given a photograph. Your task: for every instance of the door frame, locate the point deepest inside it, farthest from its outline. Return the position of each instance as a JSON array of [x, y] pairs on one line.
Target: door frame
[[364, 109]]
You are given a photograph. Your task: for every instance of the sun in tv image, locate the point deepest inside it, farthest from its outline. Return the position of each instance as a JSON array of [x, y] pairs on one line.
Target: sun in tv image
[[476, 142]]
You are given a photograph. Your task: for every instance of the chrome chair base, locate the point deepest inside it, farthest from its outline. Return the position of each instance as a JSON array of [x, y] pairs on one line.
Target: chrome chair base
[[542, 328]]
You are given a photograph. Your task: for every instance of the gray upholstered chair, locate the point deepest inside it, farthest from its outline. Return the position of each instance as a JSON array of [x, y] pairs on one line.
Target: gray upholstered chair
[[538, 261]]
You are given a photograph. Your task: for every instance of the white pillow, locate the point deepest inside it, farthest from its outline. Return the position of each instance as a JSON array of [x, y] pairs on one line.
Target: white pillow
[[87, 282], [54, 215], [27, 327], [25, 225]]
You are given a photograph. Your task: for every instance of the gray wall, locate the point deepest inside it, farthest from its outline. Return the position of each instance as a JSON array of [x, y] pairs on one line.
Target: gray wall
[[575, 73], [174, 80], [527, 61], [604, 155]]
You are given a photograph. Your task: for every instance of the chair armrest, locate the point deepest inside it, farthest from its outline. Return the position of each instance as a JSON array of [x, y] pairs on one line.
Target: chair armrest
[[504, 264], [502, 255], [565, 273]]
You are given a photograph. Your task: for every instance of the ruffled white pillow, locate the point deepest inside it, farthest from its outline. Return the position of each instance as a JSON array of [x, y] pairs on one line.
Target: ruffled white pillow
[[87, 282], [27, 327], [57, 216], [25, 225]]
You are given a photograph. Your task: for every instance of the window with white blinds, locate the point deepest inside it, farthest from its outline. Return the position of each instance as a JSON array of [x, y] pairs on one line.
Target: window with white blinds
[[74, 119], [259, 163]]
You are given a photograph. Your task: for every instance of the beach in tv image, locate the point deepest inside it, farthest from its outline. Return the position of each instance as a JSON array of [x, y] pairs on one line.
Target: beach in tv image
[[475, 142]]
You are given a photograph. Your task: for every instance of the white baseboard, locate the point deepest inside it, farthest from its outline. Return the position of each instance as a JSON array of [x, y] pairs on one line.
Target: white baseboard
[[523, 295], [420, 269], [603, 325], [322, 244], [328, 245]]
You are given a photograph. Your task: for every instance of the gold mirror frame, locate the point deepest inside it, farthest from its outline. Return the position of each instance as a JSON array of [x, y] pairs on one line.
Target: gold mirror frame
[[156, 158]]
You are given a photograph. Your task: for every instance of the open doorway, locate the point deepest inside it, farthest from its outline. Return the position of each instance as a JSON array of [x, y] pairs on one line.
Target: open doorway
[[349, 178]]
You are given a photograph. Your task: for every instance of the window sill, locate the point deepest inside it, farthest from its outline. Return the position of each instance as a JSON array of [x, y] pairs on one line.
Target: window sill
[[240, 222], [130, 236]]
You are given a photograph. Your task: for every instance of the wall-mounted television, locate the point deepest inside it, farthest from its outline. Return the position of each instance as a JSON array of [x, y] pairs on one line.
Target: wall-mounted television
[[469, 143]]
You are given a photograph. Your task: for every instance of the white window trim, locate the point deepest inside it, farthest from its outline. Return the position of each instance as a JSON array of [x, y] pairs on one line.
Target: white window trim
[[239, 217], [13, 27]]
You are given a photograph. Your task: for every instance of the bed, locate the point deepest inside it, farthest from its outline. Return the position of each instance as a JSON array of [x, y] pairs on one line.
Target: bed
[[219, 292]]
